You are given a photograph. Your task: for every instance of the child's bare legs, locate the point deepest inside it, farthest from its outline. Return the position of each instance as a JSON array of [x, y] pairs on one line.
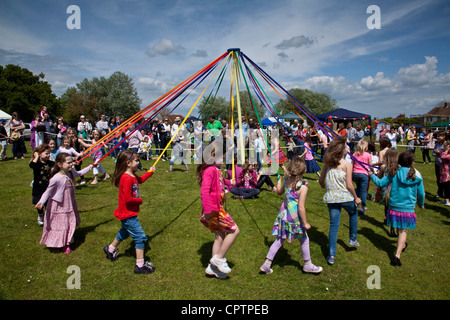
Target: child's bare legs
[[401, 242], [95, 181], [223, 242], [139, 252]]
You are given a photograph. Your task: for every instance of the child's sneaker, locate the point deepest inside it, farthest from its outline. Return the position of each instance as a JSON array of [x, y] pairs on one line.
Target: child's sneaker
[[265, 268], [110, 255], [331, 259], [310, 268], [146, 268], [353, 243], [221, 264], [212, 270]]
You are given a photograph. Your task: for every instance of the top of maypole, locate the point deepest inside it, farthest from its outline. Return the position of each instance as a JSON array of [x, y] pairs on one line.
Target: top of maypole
[[234, 49]]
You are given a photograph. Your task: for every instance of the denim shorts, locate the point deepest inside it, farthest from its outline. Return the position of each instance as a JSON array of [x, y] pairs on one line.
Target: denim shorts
[[132, 227]]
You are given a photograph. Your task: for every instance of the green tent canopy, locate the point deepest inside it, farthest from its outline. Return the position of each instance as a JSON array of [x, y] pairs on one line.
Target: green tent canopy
[[439, 124]]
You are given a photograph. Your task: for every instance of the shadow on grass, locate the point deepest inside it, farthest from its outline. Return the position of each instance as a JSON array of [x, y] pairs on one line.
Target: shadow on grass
[[388, 245], [80, 233], [441, 208], [131, 251], [283, 258]]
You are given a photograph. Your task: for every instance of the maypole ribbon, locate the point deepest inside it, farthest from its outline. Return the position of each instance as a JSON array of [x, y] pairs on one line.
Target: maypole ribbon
[[238, 104], [184, 120], [139, 115]]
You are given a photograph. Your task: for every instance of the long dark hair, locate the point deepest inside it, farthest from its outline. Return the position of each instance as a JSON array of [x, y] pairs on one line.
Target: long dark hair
[[122, 165], [406, 160], [201, 167], [336, 150], [43, 147], [60, 158], [391, 158]]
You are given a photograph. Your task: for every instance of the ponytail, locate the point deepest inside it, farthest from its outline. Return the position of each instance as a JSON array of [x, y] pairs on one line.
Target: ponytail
[[406, 160]]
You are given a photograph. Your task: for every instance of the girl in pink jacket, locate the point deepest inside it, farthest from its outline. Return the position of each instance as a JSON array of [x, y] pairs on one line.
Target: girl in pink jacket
[[215, 218]]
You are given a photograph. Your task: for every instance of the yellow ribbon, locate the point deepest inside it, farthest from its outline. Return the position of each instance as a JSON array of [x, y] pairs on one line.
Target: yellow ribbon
[[187, 116]]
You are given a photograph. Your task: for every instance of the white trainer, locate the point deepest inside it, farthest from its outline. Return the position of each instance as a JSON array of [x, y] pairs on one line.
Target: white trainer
[[221, 264]]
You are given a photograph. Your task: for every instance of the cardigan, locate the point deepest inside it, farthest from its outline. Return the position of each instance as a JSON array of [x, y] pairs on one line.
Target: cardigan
[[211, 189], [55, 189]]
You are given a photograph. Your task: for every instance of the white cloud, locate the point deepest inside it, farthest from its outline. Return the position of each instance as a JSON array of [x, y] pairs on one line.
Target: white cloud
[[165, 47], [296, 42], [379, 82], [419, 74], [413, 89], [14, 40], [153, 85]]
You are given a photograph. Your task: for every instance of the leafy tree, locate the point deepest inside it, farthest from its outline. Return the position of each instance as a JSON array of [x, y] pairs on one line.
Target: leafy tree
[[26, 93], [221, 107], [315, 102], [113, 96]]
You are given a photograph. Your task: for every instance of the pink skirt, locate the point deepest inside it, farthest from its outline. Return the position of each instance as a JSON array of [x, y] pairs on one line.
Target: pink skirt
[[401, 220]]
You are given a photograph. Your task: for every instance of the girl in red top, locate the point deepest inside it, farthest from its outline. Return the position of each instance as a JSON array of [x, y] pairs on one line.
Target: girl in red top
[[129, 201]]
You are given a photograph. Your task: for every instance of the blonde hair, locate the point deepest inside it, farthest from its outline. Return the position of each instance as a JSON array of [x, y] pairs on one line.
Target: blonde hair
[[361, 146], [295, 170]]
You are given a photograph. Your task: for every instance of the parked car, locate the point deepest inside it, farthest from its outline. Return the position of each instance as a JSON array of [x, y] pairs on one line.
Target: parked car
[[27, 131]]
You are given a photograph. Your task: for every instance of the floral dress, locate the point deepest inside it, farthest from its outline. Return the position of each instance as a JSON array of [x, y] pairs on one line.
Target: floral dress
[[288, 225]]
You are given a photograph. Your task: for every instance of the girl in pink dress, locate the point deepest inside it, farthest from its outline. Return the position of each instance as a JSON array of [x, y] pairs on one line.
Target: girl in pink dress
[[214, 216], [61, 214]]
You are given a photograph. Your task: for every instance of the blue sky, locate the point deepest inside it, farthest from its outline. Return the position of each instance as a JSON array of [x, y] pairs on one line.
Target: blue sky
[[322, 45]]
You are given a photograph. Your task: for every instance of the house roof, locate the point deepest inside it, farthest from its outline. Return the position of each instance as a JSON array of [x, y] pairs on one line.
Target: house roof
[[439, 111]]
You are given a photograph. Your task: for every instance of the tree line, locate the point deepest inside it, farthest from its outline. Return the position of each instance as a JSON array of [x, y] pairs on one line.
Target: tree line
[[26, 93]]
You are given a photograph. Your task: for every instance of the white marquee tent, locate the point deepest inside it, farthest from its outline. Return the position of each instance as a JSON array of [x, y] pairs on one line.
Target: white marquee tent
[[7, 117]]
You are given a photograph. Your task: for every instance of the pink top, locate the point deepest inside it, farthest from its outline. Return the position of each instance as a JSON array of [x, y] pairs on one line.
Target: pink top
[[237, 173], [244, 181], [308, 155], [365, 159], [211, 189], [445, 167], [70, 151]]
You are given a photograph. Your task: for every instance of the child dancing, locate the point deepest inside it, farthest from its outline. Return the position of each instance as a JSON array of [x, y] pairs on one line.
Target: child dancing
[[214, 216], [61, 214], [128, 208], [291, 222]]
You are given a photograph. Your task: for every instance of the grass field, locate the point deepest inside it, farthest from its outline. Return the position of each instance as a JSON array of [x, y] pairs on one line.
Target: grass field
[[180, 246]]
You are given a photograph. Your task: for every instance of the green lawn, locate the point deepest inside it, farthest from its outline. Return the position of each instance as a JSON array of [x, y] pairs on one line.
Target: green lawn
[[180, 246]]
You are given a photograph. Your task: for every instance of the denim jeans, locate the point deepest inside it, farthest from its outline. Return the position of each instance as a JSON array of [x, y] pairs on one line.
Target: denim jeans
[[335, 216], [362, 181], [132, 227]]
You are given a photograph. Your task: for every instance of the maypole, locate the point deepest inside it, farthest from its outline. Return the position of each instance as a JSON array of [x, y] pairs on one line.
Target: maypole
[[238, 103]]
